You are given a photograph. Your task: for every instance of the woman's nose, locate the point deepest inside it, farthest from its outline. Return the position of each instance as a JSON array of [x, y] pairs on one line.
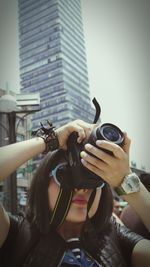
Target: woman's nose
[[81, 191]]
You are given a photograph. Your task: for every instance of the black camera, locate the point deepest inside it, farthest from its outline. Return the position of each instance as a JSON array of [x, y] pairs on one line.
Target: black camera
[[108, 132], [81, 176]]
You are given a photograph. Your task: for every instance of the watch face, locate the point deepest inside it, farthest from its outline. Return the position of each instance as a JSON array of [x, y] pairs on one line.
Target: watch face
[[135, 181], [131, 183]]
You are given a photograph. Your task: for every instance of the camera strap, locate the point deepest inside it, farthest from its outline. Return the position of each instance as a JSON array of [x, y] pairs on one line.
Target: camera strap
[[98, 110], [91, 199], [61, 208]]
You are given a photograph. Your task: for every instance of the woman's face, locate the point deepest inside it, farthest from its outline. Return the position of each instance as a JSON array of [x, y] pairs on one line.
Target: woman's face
[[78, 209]]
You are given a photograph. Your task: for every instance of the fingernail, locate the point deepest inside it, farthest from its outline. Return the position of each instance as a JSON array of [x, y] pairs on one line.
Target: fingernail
[[79, 140], [82, 154], [99, 142], [88, 146], [83, 162]]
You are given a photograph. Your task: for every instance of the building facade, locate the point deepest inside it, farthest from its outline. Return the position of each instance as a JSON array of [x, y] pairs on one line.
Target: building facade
[[53, 59], [23, 174]]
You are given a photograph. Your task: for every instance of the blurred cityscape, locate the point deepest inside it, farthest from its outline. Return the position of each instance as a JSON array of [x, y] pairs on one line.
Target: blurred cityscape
[[53, 64]]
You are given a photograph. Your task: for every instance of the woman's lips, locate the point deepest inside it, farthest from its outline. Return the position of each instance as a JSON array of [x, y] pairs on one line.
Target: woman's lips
[[79, 201]]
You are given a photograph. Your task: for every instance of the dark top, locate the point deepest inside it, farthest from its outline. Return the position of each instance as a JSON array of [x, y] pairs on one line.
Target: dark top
[[26, 247], [131, 220]]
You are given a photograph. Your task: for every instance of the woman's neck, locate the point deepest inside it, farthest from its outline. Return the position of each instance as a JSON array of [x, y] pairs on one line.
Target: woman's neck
[[70, 230]]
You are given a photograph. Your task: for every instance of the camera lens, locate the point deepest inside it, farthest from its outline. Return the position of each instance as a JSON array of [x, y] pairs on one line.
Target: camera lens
[[111, 134]]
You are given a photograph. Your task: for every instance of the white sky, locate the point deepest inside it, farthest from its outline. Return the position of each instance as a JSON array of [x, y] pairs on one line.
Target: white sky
[[117, 35], [117, 39]]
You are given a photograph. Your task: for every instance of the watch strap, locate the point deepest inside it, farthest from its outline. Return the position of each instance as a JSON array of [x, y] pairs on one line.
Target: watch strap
[[130, 184], [120, 191]]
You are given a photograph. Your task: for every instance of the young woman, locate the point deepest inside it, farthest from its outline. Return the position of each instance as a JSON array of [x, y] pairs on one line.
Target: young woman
[[72, 227]]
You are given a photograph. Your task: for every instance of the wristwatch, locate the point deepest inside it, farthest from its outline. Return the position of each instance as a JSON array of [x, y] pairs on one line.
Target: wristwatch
[[130, 184]]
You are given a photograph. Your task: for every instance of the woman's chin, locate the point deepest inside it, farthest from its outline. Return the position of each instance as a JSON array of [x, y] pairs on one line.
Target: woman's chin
[[77, 215]]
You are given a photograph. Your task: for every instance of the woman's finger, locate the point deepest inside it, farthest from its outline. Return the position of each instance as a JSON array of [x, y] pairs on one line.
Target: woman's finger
[[82, 128], [87, 127], [100, 154], [93, 168], [117, 151], [127, 143], [99, 164]]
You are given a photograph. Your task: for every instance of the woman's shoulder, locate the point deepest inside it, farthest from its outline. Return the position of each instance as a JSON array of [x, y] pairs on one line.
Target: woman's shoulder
[[126, 237], [18, 241]]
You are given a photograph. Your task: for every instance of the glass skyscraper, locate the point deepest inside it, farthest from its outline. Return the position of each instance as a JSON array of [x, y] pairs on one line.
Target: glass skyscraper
[[53, 59]]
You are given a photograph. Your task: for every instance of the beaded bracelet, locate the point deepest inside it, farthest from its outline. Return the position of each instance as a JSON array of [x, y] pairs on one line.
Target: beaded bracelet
[[49, 136]]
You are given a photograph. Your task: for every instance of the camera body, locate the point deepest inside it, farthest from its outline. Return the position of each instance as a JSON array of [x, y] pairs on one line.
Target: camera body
[[81, 176]]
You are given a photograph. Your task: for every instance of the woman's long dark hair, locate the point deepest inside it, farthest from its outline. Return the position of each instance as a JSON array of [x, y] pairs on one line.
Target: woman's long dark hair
[[38, 212]]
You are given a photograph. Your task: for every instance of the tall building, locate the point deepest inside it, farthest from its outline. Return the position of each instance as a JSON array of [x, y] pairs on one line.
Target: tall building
[[53, 59]]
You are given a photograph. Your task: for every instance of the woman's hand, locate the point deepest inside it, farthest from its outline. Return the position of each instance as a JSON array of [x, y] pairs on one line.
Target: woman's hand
[[16, 154], [112, 168], [82, 128]]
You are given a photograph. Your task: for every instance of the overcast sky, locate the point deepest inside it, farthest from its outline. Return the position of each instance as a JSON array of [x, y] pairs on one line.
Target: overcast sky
[[117, 35], [117, 39]]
